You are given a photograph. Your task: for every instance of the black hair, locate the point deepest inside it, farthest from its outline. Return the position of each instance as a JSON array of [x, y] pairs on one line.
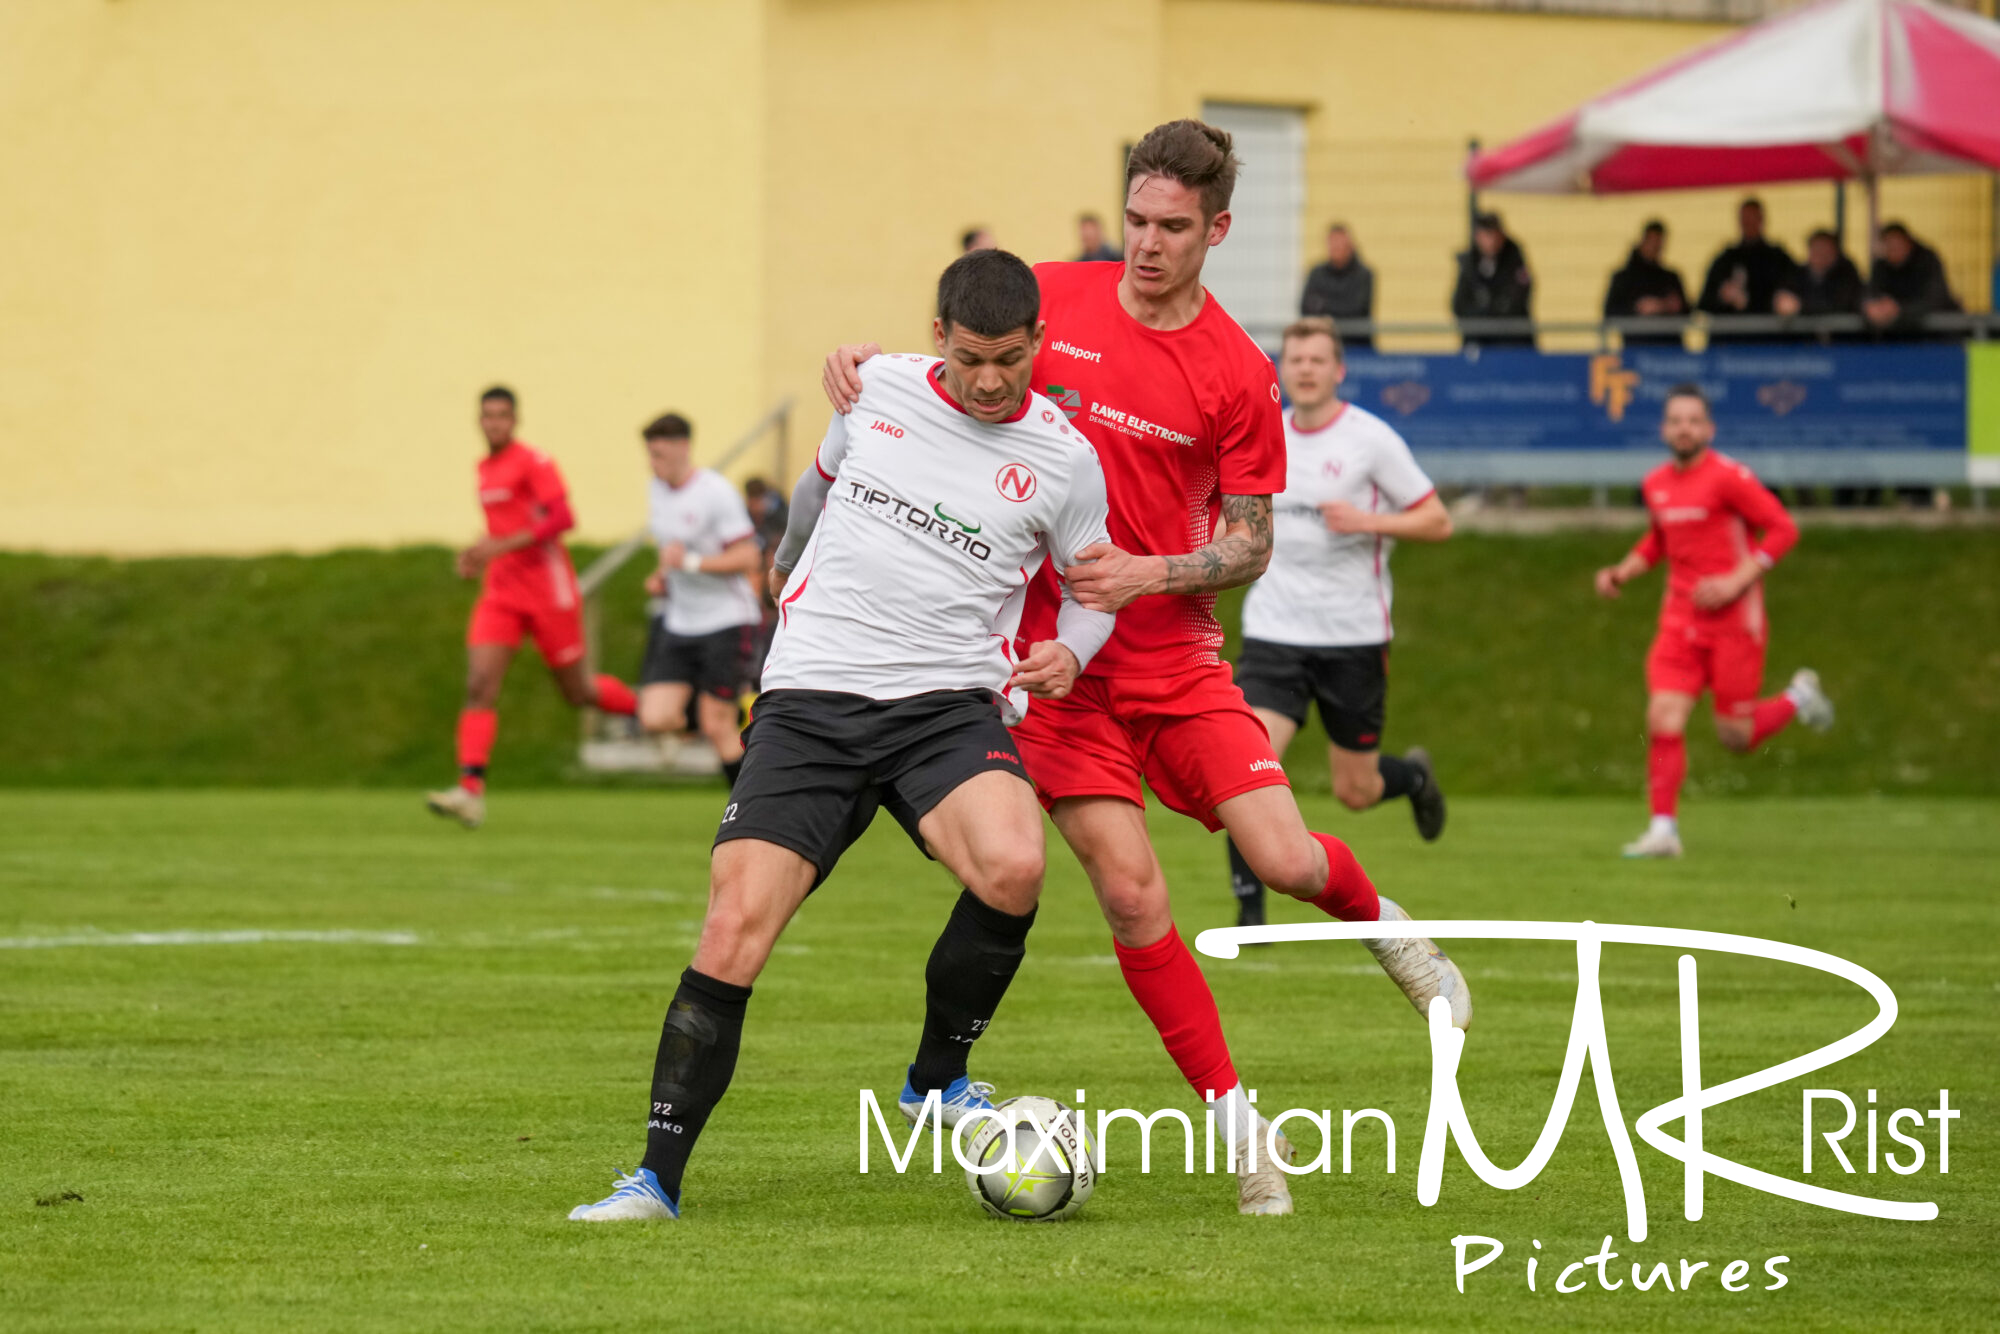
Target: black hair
[[668, 426], [1653, 225], [972, 234], [1898, 228], [501, 392], [1688, 389], [1825, 232], [1750, 201], [989, 292]]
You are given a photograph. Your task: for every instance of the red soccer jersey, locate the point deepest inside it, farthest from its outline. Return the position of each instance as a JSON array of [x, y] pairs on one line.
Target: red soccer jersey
[[1179, 418], [519, 487], [1703, 517]]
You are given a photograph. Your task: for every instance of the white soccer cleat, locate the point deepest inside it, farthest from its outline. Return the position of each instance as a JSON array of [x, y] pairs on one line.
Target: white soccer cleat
[[635, 1198], [1655, 843], [1264, 1192], [457, 803], [1815, 709], [1421, 969]]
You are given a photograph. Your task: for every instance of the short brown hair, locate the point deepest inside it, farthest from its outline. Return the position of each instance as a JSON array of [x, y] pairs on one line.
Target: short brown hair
[[1195, 154], [1308, 326], [668, 426]]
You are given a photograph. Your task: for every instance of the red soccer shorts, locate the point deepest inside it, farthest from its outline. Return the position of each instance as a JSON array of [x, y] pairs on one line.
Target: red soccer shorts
[[1190, 737], [557, 631], [1687, 658]]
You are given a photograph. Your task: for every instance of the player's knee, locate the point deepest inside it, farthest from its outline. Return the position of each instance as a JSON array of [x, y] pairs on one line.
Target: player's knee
[[1011, 880], [1357, 794], [1734, 734], [1291, 868], [656, 717], [1132, 905], [482, 691]]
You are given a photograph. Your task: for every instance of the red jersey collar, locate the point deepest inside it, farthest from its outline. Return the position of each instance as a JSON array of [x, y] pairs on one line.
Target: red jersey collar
[[936, 378]]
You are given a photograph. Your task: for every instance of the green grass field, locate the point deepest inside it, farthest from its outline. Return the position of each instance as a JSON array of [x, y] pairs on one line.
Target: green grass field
[[329, 1134], [346, 669]]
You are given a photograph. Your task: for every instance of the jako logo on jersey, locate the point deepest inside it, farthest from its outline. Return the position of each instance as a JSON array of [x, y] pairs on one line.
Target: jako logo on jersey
[[1016, 481], [1069, 400], [896, 510], [887, 429], [1072, 350], [1131, 424]]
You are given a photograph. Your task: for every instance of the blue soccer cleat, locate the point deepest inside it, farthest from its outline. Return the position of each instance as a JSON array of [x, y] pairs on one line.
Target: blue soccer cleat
[[960, 1096], [634, 1196]]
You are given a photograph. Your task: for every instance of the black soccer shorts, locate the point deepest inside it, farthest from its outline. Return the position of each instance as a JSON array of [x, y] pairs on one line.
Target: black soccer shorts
[[817, 764], [717, 664], [1350, 684]]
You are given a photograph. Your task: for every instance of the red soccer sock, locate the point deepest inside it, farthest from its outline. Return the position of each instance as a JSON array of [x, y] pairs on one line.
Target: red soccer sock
[[1666, 766], [475, 742], [1349, 894], [1770, 717], [1167, 983], [614, 696]]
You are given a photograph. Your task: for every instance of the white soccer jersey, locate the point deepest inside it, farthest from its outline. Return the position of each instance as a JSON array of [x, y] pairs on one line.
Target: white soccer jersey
[[933, 523], [704, 514], [1325, 589]]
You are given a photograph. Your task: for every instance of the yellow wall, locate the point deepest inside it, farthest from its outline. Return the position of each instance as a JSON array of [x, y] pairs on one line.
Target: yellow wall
[[261, 257]]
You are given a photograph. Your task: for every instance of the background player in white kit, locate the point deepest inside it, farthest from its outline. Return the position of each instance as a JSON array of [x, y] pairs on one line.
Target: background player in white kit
[[911, 543], [1316, 625], [701, 642]]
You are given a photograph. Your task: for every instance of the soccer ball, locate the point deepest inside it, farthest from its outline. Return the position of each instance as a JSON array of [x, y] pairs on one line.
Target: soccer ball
[[1040, 1177]]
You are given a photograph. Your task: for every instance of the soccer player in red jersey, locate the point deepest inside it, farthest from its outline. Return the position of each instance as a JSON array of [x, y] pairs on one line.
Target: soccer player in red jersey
[[527, 589], [1183, 409], [1705, 506]]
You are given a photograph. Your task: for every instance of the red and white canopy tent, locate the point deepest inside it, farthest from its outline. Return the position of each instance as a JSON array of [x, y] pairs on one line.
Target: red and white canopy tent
[[1834, 90]]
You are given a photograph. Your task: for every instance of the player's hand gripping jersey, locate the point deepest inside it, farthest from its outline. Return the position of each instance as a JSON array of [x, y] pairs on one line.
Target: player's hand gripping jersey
[[914, 537], [1703, 518], [1180, 418], [1327, 589]]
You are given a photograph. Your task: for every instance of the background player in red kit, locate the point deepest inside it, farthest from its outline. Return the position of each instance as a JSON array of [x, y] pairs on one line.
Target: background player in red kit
[[1712, 633], [527, 589], [1183, 409]]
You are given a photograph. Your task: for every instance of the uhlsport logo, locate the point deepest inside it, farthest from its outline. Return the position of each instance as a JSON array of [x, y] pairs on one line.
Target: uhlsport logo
[[1072, 350], [1016, 481]]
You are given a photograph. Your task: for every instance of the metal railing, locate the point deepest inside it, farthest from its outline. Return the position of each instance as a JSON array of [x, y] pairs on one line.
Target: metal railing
[[1814, 329]]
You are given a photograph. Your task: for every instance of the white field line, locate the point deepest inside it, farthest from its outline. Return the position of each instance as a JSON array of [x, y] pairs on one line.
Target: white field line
[[210, 938]]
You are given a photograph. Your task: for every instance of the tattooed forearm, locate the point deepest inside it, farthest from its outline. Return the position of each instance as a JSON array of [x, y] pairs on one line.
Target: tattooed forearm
[[1237, 555]]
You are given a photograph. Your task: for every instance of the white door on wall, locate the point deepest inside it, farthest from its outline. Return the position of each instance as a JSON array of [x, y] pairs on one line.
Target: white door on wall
[[1255, 271]]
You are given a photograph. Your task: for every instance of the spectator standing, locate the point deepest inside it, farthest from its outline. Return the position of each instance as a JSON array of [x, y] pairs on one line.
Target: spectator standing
[[1906, 283], [1343, 289], [1090, 240], [1828, 283], [1494, 283], [1745, 277], [1646, 287]]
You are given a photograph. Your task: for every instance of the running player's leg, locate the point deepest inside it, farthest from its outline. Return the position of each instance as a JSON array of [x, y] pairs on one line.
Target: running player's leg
[[1352, 688], [1243, 881], [1742, 721], [721, 723], [1676, 673], [559, 636], [987, 832], [491, 639], [663, 706], [722, 669]]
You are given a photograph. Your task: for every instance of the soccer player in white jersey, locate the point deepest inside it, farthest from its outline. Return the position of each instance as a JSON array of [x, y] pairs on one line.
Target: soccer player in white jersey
[[1316, 625], [890, 683], [701, 642]]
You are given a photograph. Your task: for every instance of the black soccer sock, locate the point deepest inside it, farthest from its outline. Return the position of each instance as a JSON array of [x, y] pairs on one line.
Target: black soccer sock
[[731, 768], [1243, 881], [1400, 778], [697, 1056], [971, 965]]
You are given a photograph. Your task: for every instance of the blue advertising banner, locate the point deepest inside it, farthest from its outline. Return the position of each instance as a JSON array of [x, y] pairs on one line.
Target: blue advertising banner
[[1796, 413]]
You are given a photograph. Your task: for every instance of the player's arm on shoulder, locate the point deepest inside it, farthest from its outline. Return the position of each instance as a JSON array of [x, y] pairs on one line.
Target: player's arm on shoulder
[[840, 378]]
